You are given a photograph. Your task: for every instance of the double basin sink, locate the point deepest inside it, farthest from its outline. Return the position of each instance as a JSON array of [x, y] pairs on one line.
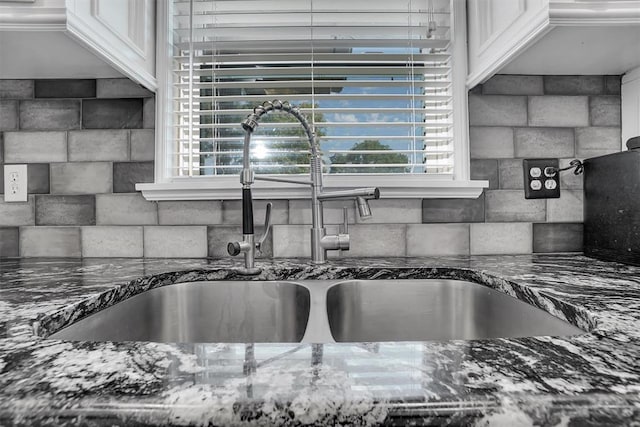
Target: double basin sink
[[317, 311]]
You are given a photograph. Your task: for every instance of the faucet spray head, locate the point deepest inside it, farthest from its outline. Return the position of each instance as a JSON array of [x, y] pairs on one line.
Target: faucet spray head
[[250, 123], [363, 208]]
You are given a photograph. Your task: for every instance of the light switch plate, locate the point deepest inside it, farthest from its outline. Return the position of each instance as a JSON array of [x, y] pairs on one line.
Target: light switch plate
[[538, 183], [15, 183]]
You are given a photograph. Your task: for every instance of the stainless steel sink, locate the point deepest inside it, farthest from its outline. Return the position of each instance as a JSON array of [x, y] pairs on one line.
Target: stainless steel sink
[[421, 310], [202, 312], [317, 311]]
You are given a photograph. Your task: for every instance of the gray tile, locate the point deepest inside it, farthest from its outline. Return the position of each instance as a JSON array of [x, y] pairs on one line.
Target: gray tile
[[149, 113], [453, 210], [544, 142], [485, 169], [605, 111], [81, 178], [65, 210], [390, 211], [50, 242], [437, 239], [558, 237], [559, 111], [125, 209], [65, 88], [497, 110], [511, 174], [218, 236], [504, 84], [9, 242], [50, 114], [38, 178], [232, 211], [300, 211], [14, 214], [127, 175], [495, 238], [121, 88], [511, 206], [291, 241], [612, 85], [112, 113], [198, 212], [573, 85], [377, 240], [98, 145], [175, 241], [597, 141], [568, 208], [143, 145], [112, 241], [16, 89], [35, 147], [569, 180], [490, 142], [8, 114]]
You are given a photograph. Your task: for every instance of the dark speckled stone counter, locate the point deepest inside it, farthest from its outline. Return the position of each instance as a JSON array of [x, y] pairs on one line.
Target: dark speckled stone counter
[[589, 379]]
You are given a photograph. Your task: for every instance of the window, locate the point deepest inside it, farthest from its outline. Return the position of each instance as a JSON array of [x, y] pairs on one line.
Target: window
[[376, 78]]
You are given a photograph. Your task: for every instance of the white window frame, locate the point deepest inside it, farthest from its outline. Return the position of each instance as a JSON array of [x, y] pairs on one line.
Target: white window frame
[[398, 186]]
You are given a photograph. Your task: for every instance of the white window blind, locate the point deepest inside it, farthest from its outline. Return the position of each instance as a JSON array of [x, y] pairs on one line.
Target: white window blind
[[373, 76]]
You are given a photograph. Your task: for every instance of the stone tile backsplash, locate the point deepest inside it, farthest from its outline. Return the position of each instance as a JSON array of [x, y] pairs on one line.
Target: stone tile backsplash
[[98, 145], [125, 209], [125, 113], [49, 114], [88, 142], [61, 88], [65, 210], [127, 174], [566, 117]]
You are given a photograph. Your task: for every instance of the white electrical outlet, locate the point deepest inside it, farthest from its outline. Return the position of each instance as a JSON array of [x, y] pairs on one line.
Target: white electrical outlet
[[15, 183]]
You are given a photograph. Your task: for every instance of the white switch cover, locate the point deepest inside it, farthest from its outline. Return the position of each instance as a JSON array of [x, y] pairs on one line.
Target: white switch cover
[[15, 183]]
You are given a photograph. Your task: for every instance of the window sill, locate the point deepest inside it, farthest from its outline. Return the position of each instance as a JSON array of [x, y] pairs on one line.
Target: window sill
[[391, 187]]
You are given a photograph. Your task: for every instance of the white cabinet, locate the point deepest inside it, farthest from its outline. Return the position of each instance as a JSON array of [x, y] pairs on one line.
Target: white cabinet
[[630, 105], [497, 30], [121, 31], [78, 38], [552, 37]]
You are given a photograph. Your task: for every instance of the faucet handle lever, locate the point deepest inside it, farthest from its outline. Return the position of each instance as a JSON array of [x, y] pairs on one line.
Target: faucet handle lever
[[267, 226], [344, 227]]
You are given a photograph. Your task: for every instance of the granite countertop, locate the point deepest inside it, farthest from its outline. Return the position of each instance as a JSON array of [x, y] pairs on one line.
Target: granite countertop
[[589, 379]]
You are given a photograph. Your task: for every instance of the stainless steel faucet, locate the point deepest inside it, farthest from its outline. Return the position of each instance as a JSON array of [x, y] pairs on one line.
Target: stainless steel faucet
[[321, 242]]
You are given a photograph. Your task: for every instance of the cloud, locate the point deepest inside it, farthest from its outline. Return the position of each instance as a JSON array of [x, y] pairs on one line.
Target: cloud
[[340, 117]]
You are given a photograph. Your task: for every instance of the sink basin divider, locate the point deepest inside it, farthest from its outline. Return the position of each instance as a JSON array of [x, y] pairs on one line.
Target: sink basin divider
[[318, 330]]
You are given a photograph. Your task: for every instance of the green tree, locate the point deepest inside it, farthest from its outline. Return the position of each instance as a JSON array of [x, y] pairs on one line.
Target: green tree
[[280, 151], [369, 159], [300, 145]]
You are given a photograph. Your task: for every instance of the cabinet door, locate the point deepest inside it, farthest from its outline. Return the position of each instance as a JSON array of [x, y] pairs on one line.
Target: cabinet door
[[499, 29], [630, 106], [121, 31]]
